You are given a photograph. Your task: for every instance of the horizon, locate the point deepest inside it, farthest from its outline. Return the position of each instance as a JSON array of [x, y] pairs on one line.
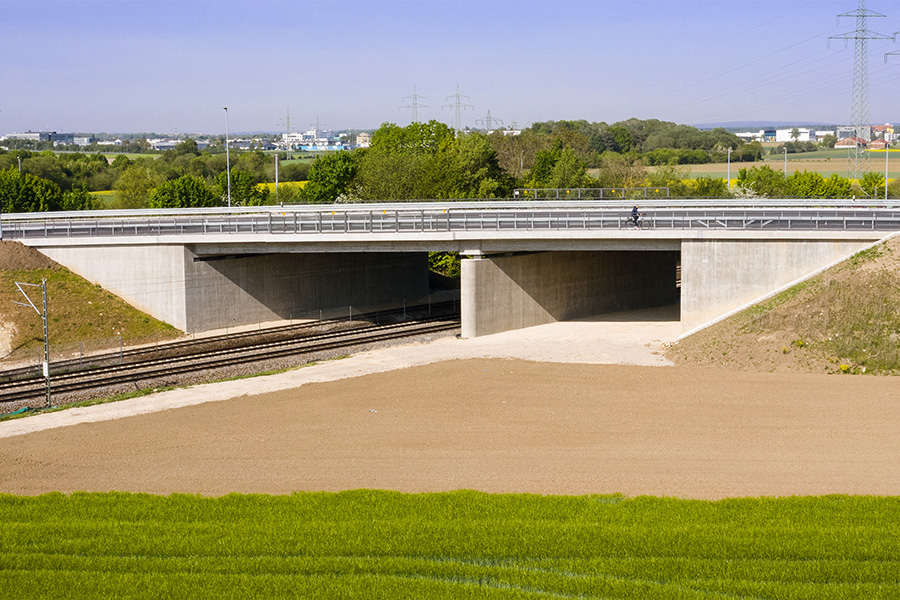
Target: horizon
[[172, 66]]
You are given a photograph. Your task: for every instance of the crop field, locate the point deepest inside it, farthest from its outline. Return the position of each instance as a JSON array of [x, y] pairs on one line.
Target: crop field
[[825, 162], [370, 544]]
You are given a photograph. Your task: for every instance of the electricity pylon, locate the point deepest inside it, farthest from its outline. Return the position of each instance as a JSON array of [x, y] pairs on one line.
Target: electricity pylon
[[459, 106], [414, 105], [859, 106], [489, 122]]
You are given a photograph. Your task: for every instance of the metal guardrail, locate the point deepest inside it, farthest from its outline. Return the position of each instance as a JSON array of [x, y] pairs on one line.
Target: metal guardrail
[[622, 193], [443, 218]]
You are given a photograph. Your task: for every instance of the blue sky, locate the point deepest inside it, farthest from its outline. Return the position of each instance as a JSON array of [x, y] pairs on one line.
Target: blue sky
[[165, 66]]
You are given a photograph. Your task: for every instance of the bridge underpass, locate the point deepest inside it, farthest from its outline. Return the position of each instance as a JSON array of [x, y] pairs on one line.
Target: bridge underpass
[[504, 292]]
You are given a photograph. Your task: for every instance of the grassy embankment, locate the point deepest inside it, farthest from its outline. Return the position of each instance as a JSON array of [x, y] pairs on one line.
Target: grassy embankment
[[82, 316], [845, 320], [451, 545]]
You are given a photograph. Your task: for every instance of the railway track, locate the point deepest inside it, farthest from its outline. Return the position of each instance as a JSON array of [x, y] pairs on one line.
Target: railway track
[[171, 364]]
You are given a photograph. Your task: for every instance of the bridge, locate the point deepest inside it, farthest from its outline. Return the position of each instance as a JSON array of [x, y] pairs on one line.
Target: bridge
[[525, 262]]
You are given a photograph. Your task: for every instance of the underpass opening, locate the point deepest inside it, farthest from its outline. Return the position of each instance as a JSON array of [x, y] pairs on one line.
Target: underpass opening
[[513, 291], [230, 290]]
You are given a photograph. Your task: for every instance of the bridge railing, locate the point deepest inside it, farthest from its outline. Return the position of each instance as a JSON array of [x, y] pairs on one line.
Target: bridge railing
[[447, 218]]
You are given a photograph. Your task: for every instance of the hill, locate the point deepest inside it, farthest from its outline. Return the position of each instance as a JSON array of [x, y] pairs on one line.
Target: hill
[[845, 320], [82, 316]]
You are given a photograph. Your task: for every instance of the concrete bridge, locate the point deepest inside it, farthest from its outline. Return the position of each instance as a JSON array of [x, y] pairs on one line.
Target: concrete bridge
[[525, 263]]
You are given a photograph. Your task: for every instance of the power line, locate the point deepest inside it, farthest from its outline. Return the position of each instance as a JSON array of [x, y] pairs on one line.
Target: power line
[[859, 106], [458, 105], [489, 122], [414, 105]]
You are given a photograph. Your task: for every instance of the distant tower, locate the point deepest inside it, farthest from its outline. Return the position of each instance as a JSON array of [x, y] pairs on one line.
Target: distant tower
[[414, 105], [859, 109], [489, 122], [458, 105]]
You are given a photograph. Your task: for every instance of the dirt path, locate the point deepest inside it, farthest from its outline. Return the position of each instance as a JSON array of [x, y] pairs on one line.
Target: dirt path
[[492, 424]]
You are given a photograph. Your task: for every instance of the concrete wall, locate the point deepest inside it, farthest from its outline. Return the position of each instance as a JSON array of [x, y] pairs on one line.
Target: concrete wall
[[276, 286], [512, 292], [171, 284], [150, 278], [718, 276]]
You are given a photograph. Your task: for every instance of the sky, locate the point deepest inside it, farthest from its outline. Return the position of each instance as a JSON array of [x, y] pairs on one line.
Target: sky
[[172, 66]]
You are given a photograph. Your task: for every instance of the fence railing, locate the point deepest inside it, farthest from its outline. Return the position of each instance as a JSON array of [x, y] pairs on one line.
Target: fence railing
[[365, 219], [623, 193]]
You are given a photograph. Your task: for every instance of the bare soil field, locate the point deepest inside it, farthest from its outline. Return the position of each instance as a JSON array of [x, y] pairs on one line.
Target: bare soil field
[[498, 426]]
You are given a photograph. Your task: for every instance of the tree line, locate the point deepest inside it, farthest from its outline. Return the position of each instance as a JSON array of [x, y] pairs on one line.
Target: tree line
[[420, 161]]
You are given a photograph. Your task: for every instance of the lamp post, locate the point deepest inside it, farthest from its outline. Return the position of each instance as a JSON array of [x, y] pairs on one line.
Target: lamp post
[[227, 159], [887, 153], [785, 162], [728, 181]]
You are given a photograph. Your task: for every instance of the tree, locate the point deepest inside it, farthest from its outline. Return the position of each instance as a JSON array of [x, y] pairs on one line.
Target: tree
[[763, 181], [244, 191], [24, 192], [795, 134], [568, 172], [184, 192], [710, 187], [621, 170], [331, 177], [134, 185], [672, 177], [828, 141], [872, 185], [79, 199]]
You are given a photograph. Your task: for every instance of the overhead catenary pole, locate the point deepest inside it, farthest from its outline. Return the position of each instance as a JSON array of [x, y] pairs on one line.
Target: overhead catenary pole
[[43, 315], [227, 159]]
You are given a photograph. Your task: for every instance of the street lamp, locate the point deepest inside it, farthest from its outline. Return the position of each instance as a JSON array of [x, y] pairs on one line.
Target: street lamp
[[785, 162], [227, 159], [887, 153], [728, 181]]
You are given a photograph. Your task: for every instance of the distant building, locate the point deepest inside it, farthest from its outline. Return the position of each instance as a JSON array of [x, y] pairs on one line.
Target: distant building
[[62, 139], [851, 142], [885, 132], [35, 136], [314, 140], [82, 140], [878, 145], [363, 140]]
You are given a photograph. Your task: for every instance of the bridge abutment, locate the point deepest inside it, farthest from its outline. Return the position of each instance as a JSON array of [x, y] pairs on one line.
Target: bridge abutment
[[721, 275], [500, 293]]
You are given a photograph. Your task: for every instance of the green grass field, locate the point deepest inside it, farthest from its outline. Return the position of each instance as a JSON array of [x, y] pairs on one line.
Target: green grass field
[[370, 544]]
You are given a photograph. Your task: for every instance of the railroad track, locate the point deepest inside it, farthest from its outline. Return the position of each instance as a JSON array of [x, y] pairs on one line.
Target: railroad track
[[231, 340], [170, 367]]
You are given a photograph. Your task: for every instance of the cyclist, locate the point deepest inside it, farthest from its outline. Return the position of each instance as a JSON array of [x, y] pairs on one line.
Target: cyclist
[[635, 215]]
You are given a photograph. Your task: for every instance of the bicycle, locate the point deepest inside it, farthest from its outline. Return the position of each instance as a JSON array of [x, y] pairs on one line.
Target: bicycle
[[642, 223]]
